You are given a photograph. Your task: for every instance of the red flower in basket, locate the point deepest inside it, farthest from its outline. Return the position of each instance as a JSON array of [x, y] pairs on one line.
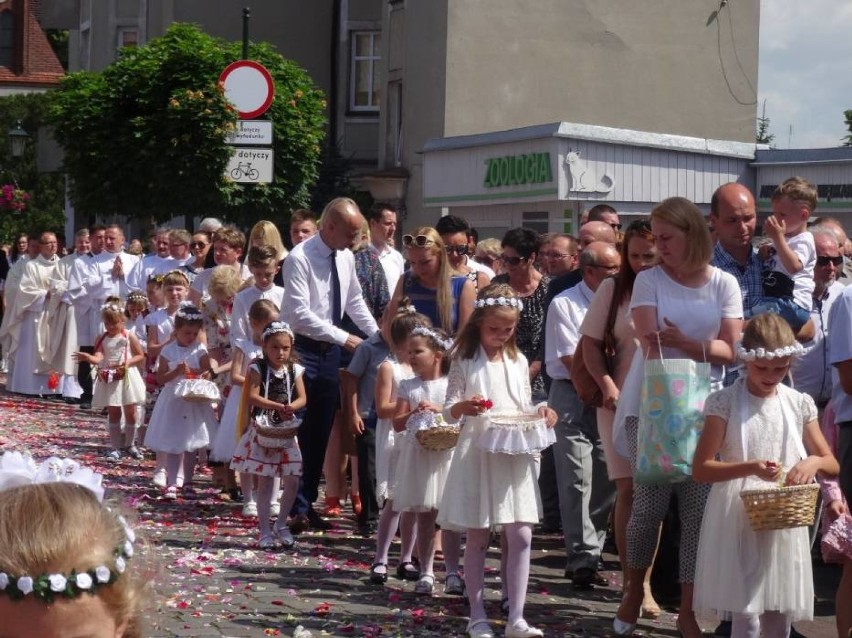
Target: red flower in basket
[[53, 381], [191, 375], [486, 404]]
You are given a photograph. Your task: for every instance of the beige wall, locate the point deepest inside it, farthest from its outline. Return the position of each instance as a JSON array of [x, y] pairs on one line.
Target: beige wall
[[651, 66]]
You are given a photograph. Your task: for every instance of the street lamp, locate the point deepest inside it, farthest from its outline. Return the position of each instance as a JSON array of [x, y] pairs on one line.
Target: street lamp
[[17, 140]]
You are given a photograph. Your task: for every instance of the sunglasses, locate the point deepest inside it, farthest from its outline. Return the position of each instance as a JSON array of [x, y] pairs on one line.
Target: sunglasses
[[825, 261], [549, 255], [512, 261], [421, 241], [616, 226], [198, 244], [485, 260], [459, 250]]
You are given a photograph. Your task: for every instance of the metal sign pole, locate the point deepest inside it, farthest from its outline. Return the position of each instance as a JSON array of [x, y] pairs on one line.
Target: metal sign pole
[[246, 18]]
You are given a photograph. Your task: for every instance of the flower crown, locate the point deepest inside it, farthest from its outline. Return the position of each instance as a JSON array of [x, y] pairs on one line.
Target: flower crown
[[176, 271], [133, 297], [513, 302], [424, 331], [793, 349], [274, 328], [114, 307], [407, 309], [17, 470], [189, 312]]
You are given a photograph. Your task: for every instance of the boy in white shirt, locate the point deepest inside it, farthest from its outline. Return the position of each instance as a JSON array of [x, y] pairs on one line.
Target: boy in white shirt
[[263, 264], [788, 272]]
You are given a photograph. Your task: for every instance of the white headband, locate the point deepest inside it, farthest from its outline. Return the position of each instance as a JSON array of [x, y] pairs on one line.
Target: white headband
[[514, 302], [793, 349], [17, 470], [113, 307], [189, 312], [423, 331], [274, 328]]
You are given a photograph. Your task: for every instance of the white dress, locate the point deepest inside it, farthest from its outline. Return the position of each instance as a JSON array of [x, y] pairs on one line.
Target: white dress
[[421, 486], [225, 442], [739, 570], [176, 425], [388, 441], [127, 391], [485, 489]]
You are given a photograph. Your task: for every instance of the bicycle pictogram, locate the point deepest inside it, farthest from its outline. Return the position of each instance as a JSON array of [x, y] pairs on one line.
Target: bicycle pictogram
[[245, 169]]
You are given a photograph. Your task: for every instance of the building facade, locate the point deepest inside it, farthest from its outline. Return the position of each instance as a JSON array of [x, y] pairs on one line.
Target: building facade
[[27, 61]]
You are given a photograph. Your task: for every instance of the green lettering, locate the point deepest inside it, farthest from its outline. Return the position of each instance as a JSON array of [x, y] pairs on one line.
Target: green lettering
[[519, 170], [544, 172], [487, 183], [531, 169], [504, 171], [494, 172]]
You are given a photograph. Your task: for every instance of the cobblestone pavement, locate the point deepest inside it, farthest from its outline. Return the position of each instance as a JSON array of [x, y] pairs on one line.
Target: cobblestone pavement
[[213, 581]]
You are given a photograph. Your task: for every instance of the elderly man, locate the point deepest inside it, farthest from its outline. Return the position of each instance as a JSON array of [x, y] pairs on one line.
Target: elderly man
[[228, 243], [383, 220], [844, 276], [561, 254], [811, 372], [591, 231], [23, 333], [152, 263], [321, 287], [585, 492]]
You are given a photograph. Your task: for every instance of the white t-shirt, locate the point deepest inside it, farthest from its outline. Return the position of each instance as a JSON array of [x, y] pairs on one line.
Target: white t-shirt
[[840, 350], [564, 318], [697, 312], [803, 281]]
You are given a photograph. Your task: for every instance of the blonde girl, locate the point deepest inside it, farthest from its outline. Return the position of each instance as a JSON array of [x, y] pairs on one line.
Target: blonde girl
[[58, 532], [757, 433], [118, 387], [488, 489], [276, 391]]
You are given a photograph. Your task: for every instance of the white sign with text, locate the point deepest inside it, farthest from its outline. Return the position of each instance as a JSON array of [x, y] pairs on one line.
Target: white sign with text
[[251, 132], [251, 165]]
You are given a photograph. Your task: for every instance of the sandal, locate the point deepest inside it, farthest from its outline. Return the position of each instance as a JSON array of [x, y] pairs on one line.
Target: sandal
[[377, 577], [407, 571], [425, 585]]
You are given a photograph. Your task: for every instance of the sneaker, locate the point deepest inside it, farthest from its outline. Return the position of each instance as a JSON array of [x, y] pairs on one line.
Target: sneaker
[[453, 585], [425, 585], [285, 537], [134, 452], [250, 509], [275, 509], [170, 493], [159, 478], [112, 456]]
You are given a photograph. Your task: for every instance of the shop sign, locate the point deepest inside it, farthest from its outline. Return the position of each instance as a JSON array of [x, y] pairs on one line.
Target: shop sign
[[826, 192], [512, 170]]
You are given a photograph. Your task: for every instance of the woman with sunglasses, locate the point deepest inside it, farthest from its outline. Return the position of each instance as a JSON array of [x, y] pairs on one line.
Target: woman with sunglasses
[[433, 287], [454, 233], [520, 250], [199, 246], [638, 253]]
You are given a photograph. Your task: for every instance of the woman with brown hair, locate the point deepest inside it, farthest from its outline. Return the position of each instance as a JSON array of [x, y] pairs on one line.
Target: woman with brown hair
[[638, 253]]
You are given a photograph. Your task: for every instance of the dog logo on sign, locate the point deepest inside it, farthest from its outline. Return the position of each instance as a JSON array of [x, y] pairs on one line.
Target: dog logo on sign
[[583, 180]]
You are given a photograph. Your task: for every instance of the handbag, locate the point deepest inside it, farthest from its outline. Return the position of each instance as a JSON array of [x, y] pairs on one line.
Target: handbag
[[588, 390], [671, 417]]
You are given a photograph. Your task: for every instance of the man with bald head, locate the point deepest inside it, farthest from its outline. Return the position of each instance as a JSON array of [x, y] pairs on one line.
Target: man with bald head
[[321, 286], [844, 274], [585, 492]]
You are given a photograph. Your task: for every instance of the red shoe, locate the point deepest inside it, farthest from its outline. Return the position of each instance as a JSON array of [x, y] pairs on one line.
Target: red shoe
[[332, 506], [355, 499]]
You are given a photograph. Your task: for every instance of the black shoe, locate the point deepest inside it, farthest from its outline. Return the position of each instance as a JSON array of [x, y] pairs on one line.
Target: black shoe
[[85, 406], [724, 629], [318, 522], [377, 577], [72, 401], [550, 529], [367, 529], [407, 571], [299, 523], [794, 633], [587, 578]]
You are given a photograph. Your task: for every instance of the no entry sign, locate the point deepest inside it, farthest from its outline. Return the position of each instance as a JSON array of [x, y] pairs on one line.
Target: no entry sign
[[248, 86]]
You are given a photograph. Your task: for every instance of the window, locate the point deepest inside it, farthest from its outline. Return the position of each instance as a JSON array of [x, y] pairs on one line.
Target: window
[[364, 85], [7, 39], [128, 38], [537, 221]]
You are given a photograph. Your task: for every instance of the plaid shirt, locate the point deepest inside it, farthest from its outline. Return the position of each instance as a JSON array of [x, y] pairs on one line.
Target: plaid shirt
[[750, 280]]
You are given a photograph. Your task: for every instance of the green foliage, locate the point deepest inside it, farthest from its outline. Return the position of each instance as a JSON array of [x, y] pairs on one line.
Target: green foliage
[[45, 207], [146, 137], [58, 39], [763, 135], [847, 141]]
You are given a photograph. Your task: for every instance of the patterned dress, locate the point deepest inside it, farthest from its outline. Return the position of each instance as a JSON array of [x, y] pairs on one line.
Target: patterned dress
[[217, 326]]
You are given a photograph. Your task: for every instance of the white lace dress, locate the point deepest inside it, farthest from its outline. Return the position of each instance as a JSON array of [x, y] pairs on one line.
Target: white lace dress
[[485, 489], [739, 570], [420, 487], [388, 442], [127, 391]]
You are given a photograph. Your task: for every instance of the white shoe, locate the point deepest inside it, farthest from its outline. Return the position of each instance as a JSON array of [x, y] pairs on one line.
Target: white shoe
[[480, 629], [522, 630], [275, 509], [159, 478], [250, 509]]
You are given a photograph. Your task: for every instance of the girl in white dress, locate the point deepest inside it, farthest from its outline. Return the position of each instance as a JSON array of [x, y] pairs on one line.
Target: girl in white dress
[[180, 428], [243, 353], [276, 391], [118, 386], [757, 428], [486, 489], [392, 372], [419, 489]]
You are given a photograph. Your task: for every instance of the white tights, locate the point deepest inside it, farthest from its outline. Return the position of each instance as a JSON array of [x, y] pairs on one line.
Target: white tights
[[267, 488], [773, 624], [389, 520], [517, 571]]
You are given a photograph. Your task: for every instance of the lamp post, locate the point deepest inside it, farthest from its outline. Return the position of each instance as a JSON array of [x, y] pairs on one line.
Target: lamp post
[[17, 140]]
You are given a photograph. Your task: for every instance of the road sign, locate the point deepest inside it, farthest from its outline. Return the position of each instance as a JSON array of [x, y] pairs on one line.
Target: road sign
[[251, 132], [251, 165], [248, 86]]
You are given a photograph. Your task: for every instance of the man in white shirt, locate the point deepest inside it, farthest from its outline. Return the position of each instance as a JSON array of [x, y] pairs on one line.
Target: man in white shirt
[[811, 372], [152, 263], [383, 220], [228, 244], [585, 492], [840, 357], [321, 287]]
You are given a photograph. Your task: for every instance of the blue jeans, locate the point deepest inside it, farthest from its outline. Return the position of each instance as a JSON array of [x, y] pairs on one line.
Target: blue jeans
[[789, 311]]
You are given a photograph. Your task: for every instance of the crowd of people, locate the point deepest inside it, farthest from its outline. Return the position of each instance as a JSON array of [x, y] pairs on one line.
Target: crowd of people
[[463, 387]]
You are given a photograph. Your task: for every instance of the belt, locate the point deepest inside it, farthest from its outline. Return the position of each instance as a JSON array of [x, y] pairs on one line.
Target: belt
[[313, 345]]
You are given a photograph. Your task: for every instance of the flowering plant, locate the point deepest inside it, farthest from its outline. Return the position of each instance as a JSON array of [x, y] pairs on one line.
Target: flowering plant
[[13, 198]]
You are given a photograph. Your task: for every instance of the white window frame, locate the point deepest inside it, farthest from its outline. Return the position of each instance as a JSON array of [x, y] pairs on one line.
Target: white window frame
[[372, 58]]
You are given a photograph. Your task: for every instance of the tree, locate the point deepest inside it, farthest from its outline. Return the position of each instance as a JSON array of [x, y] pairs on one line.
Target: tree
[[763, 135], [146, 137], [847, 141]]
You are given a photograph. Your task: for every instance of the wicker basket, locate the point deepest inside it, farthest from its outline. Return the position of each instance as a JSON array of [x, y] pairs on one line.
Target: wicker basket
[[275, 436], [438, 438], [781, 507]]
